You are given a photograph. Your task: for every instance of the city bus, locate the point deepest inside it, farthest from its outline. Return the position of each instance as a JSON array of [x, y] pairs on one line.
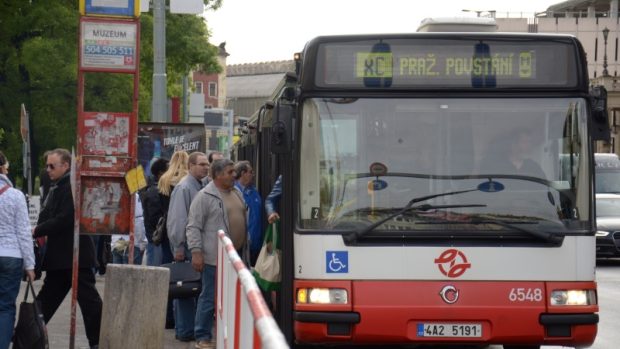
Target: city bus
[[425, 197]]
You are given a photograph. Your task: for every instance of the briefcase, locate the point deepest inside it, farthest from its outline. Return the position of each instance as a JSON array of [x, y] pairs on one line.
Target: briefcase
[[185, 282]]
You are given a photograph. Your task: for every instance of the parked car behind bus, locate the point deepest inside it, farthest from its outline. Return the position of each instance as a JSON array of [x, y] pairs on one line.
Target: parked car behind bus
[[607, 225]]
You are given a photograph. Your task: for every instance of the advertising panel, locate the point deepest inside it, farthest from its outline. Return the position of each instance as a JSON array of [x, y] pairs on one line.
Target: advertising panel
[[161, 140]]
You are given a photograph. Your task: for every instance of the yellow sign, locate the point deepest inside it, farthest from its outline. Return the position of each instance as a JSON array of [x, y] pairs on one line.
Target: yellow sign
[[135, 179]]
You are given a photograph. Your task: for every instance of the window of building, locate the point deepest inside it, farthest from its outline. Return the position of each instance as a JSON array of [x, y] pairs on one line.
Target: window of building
[[615, 117], [198, 86], [212, 89]]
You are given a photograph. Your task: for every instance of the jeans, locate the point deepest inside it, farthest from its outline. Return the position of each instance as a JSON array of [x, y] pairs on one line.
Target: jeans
[[123, 257], [11, 271], [206, 305], [166, 252], [153, 255], [184, 312], [166, 257]]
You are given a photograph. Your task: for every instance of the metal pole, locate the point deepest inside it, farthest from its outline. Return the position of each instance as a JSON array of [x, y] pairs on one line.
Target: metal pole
[[184, 111], [231, 126], [605, 34], [159, 112]]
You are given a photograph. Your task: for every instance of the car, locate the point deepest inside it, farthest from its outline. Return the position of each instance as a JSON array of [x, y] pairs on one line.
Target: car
[[607, 225], [607, 169]]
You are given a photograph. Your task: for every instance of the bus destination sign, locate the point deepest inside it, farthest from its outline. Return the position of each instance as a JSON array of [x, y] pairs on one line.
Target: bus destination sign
[[412, 63], [381, 65]]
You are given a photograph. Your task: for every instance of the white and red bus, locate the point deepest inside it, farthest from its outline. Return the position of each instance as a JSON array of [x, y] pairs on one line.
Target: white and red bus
[[437, 188]]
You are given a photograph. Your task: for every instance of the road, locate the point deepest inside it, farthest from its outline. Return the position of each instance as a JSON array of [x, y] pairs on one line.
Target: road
[[608, 278]]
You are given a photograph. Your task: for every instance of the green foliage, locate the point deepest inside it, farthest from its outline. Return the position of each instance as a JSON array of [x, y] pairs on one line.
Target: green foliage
[[38, 67]]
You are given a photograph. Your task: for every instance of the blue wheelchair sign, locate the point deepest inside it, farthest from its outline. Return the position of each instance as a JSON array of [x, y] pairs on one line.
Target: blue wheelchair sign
[[336, 261]]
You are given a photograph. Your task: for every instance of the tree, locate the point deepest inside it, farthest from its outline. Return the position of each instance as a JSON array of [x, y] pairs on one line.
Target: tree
[[38, 67]]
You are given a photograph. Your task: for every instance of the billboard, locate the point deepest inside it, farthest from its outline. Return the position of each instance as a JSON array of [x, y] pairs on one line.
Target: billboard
[[157, 140]]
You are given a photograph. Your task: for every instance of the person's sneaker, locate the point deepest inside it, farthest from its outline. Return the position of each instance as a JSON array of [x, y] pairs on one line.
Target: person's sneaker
[[205, 345]]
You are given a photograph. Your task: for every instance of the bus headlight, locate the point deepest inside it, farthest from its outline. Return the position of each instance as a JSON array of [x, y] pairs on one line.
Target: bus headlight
[[573, 297], [322, 296], [602, 233]]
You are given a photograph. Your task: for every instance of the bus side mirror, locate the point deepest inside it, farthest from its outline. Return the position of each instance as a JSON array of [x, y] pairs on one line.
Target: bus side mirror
[[281, 129], [600, 120]]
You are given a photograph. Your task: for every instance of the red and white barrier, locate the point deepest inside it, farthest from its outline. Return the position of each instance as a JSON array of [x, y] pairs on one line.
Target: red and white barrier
[[243, 318]]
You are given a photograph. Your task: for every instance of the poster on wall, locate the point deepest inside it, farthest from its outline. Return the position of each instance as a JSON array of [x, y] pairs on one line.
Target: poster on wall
[[105, 206], [161, 140]]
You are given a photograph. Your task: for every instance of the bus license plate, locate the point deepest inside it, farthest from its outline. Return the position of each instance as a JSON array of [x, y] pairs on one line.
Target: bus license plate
[[449, 330]]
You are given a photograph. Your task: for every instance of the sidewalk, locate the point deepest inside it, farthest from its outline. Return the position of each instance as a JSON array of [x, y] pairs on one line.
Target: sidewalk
[[58, 327]]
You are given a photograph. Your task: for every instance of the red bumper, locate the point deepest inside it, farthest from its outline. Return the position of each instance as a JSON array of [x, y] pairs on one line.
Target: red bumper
[[394, 312]]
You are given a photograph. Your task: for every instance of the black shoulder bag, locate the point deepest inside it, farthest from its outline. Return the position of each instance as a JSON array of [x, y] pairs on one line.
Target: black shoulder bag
[[30, 332]]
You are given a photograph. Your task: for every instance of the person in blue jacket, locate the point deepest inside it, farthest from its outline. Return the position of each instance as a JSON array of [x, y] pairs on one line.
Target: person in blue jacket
[[244, 181]]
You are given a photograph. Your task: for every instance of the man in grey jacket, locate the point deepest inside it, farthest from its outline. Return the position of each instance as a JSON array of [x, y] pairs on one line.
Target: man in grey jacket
[[180, 201], [218, 206]]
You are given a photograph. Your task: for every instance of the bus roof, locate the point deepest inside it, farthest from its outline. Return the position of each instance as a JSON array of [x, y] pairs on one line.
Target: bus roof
[[458, 24]]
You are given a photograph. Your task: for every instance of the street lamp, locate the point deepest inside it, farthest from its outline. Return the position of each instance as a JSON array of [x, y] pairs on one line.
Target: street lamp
[[605, 34]]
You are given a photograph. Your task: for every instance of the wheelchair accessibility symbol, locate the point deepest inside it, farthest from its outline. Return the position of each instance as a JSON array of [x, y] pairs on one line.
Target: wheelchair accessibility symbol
[[336, 261]]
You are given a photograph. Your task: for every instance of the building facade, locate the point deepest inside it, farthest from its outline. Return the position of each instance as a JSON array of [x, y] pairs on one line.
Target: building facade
[[212, 86], [596, 23], [250, 85]]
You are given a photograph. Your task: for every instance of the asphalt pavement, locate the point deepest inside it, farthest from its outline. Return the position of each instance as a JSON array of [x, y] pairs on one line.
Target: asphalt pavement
[[58, 328]]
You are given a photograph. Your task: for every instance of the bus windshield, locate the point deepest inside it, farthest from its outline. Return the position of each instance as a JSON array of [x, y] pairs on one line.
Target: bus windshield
[[437, 165]]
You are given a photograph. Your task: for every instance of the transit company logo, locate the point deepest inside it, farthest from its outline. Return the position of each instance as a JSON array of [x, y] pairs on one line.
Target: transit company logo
[[452, 263]]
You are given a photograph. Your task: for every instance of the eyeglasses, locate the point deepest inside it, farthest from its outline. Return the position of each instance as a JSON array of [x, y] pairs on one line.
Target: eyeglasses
[[51, 166]]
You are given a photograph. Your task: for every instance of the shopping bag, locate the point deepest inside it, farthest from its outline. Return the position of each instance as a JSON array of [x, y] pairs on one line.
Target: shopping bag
[[30, 332], [267, 270], [185, 282]]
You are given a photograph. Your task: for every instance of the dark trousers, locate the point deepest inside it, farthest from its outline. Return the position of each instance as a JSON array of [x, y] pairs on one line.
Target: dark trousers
[[57, 284]]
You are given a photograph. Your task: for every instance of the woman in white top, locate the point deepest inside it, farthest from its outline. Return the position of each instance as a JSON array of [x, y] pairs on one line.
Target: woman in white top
[[16, 250]]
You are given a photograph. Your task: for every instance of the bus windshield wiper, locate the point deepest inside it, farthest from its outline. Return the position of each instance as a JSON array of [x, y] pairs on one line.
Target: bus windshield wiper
[[545, 236], [352, 237]]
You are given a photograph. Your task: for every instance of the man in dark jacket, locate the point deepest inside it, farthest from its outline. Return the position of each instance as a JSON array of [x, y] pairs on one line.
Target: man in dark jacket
[[56, 222]]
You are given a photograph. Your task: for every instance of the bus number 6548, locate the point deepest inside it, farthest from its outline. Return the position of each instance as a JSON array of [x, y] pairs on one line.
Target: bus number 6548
[[522, 294]]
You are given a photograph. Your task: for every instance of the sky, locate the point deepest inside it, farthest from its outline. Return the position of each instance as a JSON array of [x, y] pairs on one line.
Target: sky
[[272, 30]]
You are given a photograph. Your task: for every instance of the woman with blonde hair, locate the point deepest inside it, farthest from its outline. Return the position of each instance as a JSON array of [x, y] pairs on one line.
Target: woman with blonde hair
[[178, 167]]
